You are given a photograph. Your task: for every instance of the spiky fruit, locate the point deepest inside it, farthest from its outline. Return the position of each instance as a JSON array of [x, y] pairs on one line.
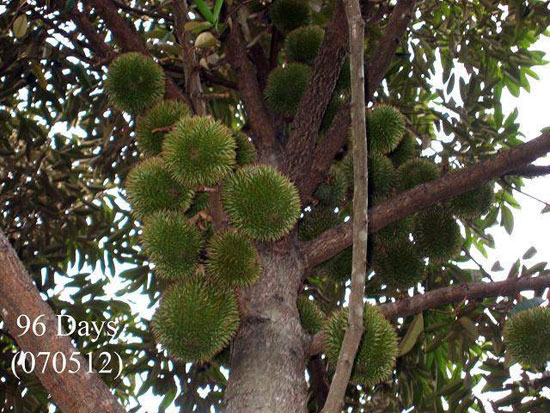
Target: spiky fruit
[[334, 190], [199, 151], [152, 127], [437, 233], [232, 260], [287, 15], [285, 87], [527, 335], [316, 222], [196, 319], [377, 351], [151, 188], [415, 172], [385, 128], [246, 152], [172, 244], [302, 44], [405, 151], [395, 232], [381, 174], [261, 202], [134, 82], [311, 316], [473, 203], [399, 264]]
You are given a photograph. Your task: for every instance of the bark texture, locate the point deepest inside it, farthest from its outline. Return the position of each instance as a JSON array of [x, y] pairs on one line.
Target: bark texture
[[268, 354], [18, 296]]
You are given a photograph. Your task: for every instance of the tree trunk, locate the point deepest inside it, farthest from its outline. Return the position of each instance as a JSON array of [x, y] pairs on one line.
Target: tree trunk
[[268, 353]]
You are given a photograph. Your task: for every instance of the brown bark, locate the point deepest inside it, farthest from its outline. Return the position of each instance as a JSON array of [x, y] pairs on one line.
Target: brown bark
[[333, 241], [19, 296], [268, 353], [354, 332], [448, 295]]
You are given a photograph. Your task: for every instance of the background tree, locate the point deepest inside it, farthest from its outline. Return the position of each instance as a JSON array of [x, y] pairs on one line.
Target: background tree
[[198, 83]]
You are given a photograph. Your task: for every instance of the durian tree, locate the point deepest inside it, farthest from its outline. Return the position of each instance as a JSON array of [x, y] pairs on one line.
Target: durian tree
[[200, 156]]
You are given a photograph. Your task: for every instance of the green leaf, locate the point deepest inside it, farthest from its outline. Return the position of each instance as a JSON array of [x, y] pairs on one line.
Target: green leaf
[[497, 267], [20, 26], [507, 219], [529, 253], [408, 342], [205, 40], [526, 305]]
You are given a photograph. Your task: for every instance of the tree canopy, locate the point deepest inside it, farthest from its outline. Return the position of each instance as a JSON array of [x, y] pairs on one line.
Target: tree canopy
[[201, 152]]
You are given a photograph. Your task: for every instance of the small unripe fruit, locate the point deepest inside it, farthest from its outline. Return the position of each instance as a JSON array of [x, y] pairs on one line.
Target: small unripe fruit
[[285, 87], [287, 15], [232, 260], [405, 151], [338, 267], [316, 222], [199, 151], [302, 44], [246, 152], [437, 233], [527, 335], [261, 202], [134, 82], [151, 188], [152, 127], [415, 172], [311, 316], [381, 174], [399, 264], [385, 128], [377, 351], [333, 191], [196, 320], [473, 203], [172, 244]]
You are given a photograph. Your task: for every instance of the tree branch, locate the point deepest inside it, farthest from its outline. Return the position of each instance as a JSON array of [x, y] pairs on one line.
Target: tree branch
[[354, 332], [333, 241], [265, 140], [18, 296], [448, 295], [531, 171], [377, 66]]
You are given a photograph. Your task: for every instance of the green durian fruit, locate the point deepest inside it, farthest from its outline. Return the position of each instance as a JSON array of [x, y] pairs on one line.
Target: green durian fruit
[[152, 127], [399, 264], [199, 151], [302, 44], [437, 233], [334, 190], [232, 260], [151, 188], [415, 172], [261, 202], [246, 152], [285, 87], [381, 174], [172, 244], [316, 222], [311, 316], [395, 232], [196, 320], [377, 351], [287, 15], [385, 128], [473, 203], [527, 335], [134, 82], [405, 151], [338, 267]]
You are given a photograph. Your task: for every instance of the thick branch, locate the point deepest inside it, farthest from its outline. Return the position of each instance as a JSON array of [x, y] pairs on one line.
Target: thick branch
[[354, 332], [377, 67], [18, 296], [531, 171], [305, 127], [247, 81], [129, 40], [333, 241], [448, 295]]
